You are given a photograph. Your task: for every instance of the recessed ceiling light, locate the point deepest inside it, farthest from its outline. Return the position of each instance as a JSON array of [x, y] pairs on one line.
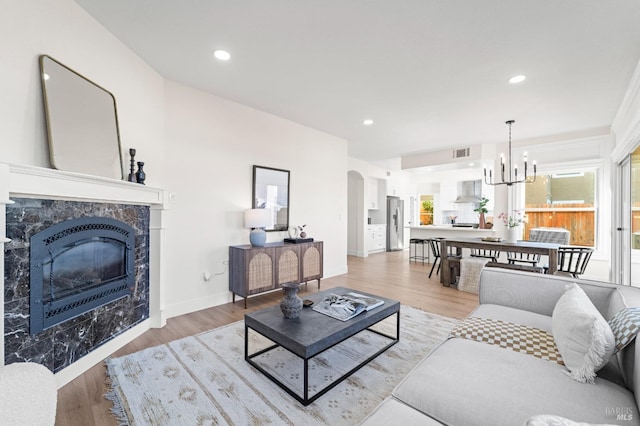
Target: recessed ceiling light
[[517, 79], [367, 122], [223, 55]]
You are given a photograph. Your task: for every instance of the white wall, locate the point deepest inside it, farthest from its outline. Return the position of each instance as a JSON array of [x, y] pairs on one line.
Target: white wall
[[64, 31], [213, 144], [195, 145]]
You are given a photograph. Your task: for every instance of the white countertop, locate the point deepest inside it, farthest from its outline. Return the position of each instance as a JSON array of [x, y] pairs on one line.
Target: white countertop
[[448, 228]]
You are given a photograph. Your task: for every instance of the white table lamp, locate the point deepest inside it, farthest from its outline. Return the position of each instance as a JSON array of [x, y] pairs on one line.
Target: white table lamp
[[257, 220]]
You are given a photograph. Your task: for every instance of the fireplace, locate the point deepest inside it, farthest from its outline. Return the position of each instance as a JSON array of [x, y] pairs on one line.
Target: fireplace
[[77, 266], [33, 199], [76, 277]]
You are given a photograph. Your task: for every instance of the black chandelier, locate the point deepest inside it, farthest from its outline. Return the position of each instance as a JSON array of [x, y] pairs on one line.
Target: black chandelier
[[512, 178]]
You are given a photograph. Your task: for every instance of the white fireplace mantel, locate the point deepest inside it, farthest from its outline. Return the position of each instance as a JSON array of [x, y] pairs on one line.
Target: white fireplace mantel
[[38, 182]]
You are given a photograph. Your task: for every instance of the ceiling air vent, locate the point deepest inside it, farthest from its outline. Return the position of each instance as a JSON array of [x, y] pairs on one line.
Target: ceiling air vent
[[461, 152]]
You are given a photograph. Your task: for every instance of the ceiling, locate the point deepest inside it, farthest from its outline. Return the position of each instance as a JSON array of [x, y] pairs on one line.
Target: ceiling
[[432, 74]]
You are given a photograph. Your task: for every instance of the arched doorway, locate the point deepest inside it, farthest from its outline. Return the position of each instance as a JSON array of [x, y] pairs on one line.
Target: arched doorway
[[356, 215]]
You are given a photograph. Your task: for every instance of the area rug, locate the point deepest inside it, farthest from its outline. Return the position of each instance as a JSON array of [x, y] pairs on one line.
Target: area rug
[[204, 379]]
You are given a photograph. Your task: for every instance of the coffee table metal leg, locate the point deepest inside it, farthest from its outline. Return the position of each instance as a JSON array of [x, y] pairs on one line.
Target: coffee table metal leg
[[306, 379], [246, 341]]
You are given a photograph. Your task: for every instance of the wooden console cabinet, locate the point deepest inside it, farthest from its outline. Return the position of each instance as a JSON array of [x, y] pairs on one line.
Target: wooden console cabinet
[[254, 270]]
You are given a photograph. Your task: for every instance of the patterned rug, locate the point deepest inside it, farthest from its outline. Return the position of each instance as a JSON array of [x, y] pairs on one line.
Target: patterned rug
[[204, 379]]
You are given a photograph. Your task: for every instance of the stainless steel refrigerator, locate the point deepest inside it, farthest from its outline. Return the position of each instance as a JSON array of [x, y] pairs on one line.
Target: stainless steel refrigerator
[[395, 224]]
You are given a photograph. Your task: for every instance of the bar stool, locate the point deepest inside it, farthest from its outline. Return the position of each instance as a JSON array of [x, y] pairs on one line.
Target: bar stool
[[415, 242]]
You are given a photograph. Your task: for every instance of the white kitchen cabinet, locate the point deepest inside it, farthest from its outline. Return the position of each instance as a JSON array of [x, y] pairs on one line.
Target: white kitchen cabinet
[[373, 193], [376, 238]]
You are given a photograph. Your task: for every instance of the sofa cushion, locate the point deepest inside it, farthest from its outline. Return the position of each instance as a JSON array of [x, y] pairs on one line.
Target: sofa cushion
[[536, 292], [514, 316], [464, 382], [581, 333], [625, 326]]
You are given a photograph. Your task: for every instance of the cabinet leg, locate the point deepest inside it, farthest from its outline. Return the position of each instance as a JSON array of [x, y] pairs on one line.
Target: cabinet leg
[[245, 303], [233, 298], [318, 283]]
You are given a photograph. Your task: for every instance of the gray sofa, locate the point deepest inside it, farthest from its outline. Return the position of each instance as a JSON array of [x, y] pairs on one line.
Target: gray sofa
[[465, 382]]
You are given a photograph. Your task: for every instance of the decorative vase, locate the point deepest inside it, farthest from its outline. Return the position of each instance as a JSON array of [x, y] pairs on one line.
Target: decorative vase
[[512, 235], [293, 232], [291, 304], [140, 174], [482, 224]]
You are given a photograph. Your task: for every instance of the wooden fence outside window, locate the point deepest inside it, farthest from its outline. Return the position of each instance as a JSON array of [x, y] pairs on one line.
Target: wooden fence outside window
[[579, 219]]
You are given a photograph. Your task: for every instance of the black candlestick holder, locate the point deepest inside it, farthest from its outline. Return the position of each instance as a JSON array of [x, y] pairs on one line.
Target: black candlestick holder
[[132, 168]]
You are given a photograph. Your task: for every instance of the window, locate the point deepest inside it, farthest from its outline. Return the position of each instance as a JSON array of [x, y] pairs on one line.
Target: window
[[564, 199]]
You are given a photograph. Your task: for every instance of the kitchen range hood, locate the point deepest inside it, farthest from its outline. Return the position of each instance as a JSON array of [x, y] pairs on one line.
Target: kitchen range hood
[[469, 191]]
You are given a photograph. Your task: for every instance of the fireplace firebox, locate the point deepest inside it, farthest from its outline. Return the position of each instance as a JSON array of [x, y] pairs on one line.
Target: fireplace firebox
[[79, 265]]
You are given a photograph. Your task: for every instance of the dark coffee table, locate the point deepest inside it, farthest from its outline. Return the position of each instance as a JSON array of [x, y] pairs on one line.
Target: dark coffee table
[[313, 333]]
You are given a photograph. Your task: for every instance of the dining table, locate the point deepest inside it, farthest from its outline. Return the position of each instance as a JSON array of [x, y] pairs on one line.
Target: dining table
[[521, 246]]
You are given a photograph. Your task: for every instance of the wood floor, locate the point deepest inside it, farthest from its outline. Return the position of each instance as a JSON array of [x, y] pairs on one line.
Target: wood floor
[[81, 402]]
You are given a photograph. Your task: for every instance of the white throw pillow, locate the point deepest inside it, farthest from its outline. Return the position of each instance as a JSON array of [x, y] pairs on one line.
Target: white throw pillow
[[582, 335]]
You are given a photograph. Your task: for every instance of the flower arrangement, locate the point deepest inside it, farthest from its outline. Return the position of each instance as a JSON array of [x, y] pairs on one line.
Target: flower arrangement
[[512, 221]]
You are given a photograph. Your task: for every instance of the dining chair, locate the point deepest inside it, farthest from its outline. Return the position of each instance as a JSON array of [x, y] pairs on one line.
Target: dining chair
[[573, 260], [434, 244], [486, 253], [527, 258], [542, 235]]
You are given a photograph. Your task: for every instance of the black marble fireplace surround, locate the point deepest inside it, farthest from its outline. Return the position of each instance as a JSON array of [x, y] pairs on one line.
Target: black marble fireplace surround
[[59, 346]]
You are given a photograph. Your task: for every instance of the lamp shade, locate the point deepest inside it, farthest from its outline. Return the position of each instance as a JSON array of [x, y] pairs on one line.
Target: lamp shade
[[257, 218]]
